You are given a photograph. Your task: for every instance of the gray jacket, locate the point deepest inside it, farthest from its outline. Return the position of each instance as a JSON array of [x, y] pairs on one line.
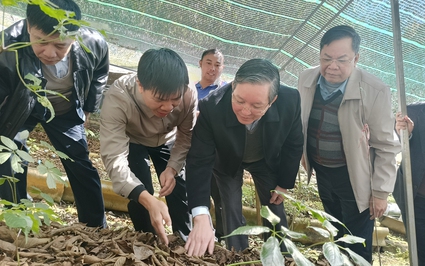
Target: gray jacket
[[90, 73]]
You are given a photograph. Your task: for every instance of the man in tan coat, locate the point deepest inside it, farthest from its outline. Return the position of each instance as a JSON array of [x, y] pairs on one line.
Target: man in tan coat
[[348, 128], [144, 118]]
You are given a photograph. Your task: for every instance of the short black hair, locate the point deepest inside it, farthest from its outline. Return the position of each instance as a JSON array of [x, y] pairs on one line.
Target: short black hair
[[259, 71], [212, 51], [163, 71], [40, 20], [341, 32]]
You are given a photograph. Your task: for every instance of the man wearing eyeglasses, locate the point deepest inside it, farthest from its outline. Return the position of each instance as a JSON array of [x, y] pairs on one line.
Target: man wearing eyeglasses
[[250, 124], [349, 139]]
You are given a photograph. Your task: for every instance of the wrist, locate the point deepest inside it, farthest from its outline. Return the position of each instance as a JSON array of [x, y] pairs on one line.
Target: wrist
[[203, 219], [172, 170], [145, 198]]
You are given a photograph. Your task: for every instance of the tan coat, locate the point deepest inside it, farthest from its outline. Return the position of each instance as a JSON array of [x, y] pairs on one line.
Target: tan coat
[[125, 118], [366, 102]]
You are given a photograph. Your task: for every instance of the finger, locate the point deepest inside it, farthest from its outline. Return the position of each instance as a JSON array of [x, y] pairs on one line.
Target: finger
[[273, 197], [165, 191], [160, 231], [189, 246], [211, 246]]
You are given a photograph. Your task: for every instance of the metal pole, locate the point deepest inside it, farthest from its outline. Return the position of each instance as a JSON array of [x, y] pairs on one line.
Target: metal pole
[[409, 221]]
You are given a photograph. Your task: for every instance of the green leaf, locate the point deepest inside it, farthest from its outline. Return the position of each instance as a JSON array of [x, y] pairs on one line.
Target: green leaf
[[292, 234], [49, 164], [296, 254], [332, 253], [24, 156], [46, 103], [42, 169], [359, 260], [80, 41], [249, 230], [322, 216], [350, 239], [48, 199], [63, 155], [36, 222], [321, 231], [36, 81], [51, 184], [9, 143], [270, 253], [269, 215], [11, 178], [24, 134], [9, 2], [16, 164], [2, 147], [4, 156], [347, 261], [35, 190], [55, 13], [330, 227], [17, 220], [47, 145]]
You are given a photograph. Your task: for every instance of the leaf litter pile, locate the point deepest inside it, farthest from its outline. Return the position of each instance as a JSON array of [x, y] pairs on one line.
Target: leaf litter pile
[[80, 245], [77, 244]]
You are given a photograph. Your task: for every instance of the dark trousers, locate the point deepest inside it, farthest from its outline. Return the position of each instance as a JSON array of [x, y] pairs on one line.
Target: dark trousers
[[338, 200], [218, 209], [139, 157], [230, 188], [419, 203], [66, 133], [419, 210]]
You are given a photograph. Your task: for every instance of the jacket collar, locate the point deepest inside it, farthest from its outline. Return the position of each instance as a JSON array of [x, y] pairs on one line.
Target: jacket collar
[[352, 91]]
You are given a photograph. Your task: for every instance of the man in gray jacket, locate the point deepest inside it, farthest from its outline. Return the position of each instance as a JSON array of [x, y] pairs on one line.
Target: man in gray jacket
[[348, 128], [149, 117], [64, 66]]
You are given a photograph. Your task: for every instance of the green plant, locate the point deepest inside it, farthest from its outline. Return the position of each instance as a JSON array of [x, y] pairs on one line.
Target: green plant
[[270, 251], [26, 216]]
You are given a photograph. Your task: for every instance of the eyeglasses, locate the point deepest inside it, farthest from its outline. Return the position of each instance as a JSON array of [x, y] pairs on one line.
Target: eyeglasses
[[339, 62], [252, 109]]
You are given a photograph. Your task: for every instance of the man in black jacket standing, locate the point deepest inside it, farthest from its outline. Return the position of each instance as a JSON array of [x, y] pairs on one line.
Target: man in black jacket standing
[[65, 67], [414, 122], [251, 124]]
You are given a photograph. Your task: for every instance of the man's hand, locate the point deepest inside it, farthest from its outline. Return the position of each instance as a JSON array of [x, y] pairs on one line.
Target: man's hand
[[276, 198], [201, 237], [158, 213], [377, 207], [167, 181], [403, 122]]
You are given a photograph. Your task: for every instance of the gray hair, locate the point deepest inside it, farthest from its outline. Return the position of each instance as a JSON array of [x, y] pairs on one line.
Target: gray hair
[[259, 71]]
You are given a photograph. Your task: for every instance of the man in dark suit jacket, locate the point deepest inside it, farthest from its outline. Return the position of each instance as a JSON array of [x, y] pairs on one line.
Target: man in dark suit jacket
[[250, 124], [414, 122]]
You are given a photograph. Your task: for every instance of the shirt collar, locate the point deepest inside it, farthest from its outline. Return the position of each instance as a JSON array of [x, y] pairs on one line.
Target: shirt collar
[[326, 94]]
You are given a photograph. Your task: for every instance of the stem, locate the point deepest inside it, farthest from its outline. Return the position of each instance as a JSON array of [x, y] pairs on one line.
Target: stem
[[245, 262], [16, 244], [20, 76]]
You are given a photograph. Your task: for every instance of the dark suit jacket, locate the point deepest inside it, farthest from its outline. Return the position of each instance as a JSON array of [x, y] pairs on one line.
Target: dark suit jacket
[[218, 142], [416, 112]]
